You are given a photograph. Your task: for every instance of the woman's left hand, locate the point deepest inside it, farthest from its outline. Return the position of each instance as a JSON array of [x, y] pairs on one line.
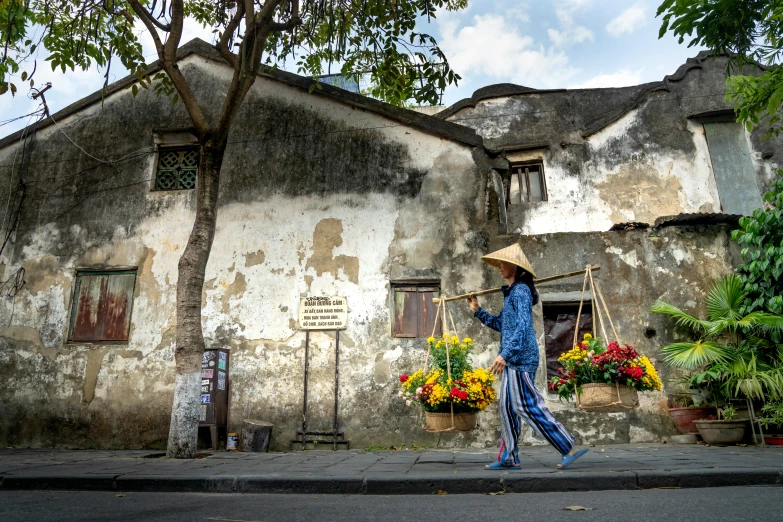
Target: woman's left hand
[[498, 366]]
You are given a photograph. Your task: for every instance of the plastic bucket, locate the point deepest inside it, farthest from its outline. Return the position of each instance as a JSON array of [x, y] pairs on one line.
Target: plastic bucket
[[232, 441]]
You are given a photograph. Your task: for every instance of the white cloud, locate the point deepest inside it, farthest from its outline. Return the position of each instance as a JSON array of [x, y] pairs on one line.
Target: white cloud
[[493, 47], [628, 21], [621, 78], [569, 33]]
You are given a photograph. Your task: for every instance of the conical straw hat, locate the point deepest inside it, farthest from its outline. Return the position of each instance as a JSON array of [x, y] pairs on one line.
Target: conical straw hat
[[511, 254]]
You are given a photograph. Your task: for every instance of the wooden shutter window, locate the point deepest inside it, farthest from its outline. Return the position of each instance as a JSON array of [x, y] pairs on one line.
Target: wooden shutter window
[[406, 312], [414, 312], [526, 184], [102, 306]]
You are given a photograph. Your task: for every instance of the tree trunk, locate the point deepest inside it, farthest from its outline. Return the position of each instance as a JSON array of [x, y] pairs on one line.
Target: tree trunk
[[183, 431]]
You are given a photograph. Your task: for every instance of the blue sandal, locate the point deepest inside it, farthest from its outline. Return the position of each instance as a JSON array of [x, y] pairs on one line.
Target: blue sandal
[[567, 460], [498, 466]]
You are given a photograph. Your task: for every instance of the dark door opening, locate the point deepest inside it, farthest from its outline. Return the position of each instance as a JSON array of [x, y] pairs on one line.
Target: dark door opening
[[559, 323]]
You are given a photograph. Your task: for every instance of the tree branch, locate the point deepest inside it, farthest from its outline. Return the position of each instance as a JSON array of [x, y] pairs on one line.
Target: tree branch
[[168, 61], [225, 38], [175, 34], [147, 18]]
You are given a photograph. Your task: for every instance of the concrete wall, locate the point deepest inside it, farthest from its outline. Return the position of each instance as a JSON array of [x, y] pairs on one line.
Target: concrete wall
[[611, 156], [318, 198], [638, 267]]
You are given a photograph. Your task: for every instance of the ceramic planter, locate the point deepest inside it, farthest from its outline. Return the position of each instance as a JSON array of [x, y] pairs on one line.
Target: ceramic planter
[[683, 417], [721, 431]]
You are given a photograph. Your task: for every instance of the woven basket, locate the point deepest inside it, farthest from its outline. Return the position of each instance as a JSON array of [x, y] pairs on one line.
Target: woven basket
[[442, 421], [607, 398]]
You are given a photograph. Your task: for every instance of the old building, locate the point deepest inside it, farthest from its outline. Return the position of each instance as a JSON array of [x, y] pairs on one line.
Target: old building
[[333, 194]]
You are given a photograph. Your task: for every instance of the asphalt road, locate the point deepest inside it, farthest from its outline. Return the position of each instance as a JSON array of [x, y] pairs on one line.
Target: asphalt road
[[670, 505]]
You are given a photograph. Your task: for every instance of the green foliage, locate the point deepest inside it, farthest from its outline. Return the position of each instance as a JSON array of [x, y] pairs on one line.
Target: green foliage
[[732, 352], [378, 37], [728, 412], [771, 415], [459, 355], [750, 32], [761, 239], [15, 18]]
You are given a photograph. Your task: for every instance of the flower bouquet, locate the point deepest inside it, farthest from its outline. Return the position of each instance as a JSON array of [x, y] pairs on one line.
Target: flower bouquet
[[468, 390], [604, 379]]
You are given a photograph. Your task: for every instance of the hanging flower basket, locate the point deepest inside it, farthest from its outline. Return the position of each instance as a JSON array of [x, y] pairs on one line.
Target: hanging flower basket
[[604, 380], [442, 421], [607, 398], [450, 391]]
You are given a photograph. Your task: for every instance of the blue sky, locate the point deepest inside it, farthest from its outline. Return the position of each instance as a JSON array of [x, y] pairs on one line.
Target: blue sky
[[544, 44]]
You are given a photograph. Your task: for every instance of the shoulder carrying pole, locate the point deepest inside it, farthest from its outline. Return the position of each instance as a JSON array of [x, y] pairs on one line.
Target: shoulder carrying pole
[[593, 268]]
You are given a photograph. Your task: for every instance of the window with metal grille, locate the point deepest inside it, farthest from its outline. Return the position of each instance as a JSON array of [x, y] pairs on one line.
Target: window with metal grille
[[177, 169], [102, 306], [413, 312], [527, 183]]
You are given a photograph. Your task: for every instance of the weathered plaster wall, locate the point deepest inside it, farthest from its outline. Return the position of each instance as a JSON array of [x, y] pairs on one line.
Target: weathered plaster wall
[[638, 267], [614, 155], [317, 198]]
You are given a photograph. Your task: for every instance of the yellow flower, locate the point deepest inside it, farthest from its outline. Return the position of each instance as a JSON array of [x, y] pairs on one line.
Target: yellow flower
[[455, 340], [467, 340], [651, 374], [430, 340], [588, 337]]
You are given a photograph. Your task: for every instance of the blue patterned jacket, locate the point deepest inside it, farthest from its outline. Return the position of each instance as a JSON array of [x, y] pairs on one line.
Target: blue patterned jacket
[[518, 345]]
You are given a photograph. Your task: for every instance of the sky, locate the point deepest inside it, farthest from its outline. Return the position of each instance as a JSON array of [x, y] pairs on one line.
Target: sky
[[541, 44]]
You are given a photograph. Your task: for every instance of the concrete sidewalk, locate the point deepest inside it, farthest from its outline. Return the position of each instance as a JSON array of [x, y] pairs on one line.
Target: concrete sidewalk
[[617, 467]]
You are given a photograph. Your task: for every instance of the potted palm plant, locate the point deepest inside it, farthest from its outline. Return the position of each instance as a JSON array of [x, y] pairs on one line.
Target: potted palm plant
[[732, 351]]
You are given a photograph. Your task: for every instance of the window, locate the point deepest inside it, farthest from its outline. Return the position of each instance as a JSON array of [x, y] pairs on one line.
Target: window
[[102, 304], [559, 323], [177, 168], [526, 184], [413, 312], [732, 167]]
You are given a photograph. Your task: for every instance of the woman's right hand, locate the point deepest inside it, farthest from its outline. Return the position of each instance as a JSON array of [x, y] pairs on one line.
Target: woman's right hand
[[473, 302]]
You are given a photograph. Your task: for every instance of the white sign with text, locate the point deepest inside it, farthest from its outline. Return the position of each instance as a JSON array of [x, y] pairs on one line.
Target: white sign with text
[[323, 313]]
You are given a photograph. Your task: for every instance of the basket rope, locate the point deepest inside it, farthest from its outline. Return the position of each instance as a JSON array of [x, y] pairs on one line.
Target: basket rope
[[596, 305], [441, 313]]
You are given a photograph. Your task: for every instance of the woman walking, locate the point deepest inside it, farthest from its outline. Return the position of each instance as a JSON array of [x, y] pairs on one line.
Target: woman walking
[[517, 362]]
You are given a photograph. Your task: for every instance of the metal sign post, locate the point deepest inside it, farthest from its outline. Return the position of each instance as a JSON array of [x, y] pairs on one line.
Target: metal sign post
[[322, 313]]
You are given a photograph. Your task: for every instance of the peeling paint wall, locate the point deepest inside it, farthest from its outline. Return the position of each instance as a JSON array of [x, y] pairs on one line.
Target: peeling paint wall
[[638, 267], [317, 198], [611, 156]]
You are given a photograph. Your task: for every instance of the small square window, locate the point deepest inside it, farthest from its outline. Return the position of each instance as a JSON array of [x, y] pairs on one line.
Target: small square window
[[413, 312], [102, 306], [526, 184], [177, 168]]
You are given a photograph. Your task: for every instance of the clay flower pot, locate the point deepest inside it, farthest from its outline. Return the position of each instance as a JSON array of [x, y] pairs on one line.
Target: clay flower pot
[[683, 417], [721, 431]]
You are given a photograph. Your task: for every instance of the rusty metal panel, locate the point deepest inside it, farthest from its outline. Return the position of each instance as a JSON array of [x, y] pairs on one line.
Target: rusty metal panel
[[559, 323], [406, 312], [427, 311], [102, 306]]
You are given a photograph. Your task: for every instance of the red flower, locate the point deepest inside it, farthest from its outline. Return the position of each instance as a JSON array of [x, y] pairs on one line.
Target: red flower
[[463, 395], [403, 378]]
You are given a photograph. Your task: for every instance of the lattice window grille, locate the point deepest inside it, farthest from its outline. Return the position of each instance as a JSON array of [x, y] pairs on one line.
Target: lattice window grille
[[177, 169]]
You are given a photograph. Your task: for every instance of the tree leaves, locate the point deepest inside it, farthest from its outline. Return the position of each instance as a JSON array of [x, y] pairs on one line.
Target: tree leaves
[[761, 238]]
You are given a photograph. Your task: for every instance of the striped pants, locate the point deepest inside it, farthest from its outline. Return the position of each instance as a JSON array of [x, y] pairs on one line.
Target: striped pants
[[520, 400]]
